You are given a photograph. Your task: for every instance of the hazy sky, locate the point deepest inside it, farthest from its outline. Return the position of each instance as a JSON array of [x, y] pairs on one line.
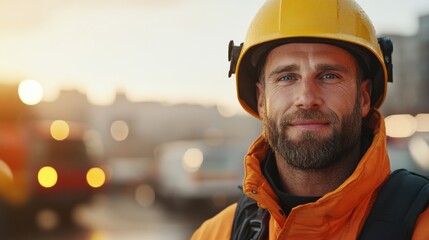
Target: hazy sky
[[162, 50]]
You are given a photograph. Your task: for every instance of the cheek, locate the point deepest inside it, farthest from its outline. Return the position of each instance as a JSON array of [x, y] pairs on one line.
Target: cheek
[[342, 98], [277, 102]]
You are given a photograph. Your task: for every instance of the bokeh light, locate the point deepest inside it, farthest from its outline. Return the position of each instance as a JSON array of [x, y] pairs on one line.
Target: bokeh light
[[47, 219], [30, 92], [119, 130], [95, 177], [60, 130], [192, 159], [47, 176], [400, 125]]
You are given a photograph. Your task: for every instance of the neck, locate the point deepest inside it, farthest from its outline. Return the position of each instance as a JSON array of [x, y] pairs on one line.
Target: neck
[[316, 182]]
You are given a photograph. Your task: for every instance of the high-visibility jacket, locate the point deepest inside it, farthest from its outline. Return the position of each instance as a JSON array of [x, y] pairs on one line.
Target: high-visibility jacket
[[339, 214]]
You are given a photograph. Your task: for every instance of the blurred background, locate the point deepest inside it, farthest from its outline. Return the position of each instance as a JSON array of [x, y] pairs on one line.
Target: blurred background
[[118, 121]]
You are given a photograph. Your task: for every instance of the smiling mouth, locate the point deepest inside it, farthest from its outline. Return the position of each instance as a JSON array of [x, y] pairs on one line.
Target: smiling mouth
[[309, 120], [309, 124]]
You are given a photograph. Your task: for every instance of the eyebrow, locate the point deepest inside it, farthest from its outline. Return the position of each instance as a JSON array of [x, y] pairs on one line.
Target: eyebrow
[[283, 68], [319, 67], [332, 67]]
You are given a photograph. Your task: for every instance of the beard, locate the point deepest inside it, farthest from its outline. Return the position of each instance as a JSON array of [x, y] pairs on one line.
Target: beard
[[310, 150]]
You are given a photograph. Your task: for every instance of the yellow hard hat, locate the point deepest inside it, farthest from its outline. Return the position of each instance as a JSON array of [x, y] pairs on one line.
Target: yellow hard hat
[[338, 22]]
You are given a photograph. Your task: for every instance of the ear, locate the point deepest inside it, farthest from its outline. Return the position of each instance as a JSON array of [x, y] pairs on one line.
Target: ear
[[260, 98], [365, 91]]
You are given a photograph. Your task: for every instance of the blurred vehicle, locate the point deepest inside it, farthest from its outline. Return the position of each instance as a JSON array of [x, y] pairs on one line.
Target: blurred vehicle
[[48, 171], [43, 164], [199, 170], [63, 173]]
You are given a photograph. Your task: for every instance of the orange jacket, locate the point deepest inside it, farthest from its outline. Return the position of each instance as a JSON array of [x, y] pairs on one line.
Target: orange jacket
[[339, 214]]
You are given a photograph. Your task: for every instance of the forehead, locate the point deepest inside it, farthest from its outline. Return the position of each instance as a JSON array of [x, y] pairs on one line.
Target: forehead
[[313, 51]]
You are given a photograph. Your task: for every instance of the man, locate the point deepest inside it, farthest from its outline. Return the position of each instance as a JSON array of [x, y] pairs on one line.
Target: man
[[315, 73]]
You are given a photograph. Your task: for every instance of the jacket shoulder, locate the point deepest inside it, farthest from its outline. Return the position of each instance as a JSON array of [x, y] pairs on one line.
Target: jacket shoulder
[[217, 227]]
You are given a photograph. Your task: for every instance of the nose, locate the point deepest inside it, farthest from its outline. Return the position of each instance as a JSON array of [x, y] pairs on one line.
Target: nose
[[308, 94]]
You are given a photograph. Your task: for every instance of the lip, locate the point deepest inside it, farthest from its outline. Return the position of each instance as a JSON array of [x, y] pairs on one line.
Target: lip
[[309, 124]]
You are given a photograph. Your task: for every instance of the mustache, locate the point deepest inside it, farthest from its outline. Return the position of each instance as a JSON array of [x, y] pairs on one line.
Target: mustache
[[309, 115]]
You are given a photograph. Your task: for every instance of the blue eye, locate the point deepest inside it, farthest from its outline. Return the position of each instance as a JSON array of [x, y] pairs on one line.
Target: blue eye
[[329, 76], [287, 77]]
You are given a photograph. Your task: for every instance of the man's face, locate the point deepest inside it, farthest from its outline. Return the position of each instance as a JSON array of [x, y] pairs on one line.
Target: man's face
[[311, 104]]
